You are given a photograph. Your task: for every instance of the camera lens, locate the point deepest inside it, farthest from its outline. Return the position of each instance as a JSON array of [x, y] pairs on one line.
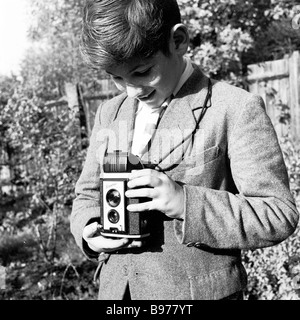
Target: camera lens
[[113, 198], [113, 216]]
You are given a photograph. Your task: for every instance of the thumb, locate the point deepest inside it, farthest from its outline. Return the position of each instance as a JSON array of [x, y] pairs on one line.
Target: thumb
[[90, 230]]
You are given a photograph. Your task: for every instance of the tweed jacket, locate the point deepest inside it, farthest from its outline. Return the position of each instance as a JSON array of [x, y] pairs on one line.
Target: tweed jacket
[[236, 193]]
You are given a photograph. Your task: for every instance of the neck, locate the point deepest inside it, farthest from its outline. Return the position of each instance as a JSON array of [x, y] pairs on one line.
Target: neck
[[182, 67]]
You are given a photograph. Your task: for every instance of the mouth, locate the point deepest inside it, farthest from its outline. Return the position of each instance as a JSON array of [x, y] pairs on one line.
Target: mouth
[[147, 97]]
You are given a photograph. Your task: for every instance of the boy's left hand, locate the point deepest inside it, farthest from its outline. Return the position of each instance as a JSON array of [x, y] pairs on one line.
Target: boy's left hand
[[167, 195]]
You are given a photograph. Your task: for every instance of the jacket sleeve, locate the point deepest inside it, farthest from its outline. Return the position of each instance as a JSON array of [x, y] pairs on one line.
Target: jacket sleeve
[[86, 207], [262, 213]]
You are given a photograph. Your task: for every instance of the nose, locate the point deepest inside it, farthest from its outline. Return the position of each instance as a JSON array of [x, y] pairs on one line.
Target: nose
[[133, 91]]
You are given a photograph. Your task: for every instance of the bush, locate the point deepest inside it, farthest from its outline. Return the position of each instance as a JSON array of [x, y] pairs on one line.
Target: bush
[[274, 272], [30, 274], [16, 248]]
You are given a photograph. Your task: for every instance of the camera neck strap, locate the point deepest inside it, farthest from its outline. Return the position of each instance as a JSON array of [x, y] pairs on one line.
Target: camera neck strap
[[206, 105]]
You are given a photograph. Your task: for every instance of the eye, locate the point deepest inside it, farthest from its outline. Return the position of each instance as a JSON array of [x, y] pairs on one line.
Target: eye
[[116, 78], [142, 73]]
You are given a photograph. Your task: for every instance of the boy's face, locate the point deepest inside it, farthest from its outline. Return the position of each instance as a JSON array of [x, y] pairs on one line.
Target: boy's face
[[151, 81]]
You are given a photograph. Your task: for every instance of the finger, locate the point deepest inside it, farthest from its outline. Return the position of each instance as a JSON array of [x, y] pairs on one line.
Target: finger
[[101, 243], [114, 243], [90, 230], [143, 172], [134, 244], [141, 192], [143, 206], [147, 180]]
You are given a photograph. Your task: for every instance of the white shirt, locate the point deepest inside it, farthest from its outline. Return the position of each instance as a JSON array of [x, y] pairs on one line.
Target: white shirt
[[147, 117]]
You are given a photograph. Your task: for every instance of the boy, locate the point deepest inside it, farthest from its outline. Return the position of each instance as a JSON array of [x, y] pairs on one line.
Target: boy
[[218, 183]]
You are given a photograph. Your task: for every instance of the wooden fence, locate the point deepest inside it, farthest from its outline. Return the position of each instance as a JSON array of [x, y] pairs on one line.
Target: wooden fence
[[89, 103], [279, 81]]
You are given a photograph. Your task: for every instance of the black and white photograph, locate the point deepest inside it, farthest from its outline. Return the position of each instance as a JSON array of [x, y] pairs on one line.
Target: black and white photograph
[[149, 151]]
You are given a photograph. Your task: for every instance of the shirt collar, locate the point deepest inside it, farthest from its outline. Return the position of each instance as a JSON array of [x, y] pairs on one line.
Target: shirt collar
[[185, 75]]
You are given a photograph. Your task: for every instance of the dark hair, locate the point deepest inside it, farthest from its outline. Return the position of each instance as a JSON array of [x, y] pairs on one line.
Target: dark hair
[[115, 31]]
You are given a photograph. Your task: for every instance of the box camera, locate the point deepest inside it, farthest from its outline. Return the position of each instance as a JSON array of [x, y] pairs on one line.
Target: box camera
[[116, 220]]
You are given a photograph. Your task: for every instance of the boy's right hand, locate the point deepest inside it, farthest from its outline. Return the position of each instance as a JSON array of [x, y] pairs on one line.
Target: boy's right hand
[[99, 243]]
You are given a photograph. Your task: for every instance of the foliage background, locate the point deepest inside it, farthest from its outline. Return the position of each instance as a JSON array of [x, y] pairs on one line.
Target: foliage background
[[45, 146]]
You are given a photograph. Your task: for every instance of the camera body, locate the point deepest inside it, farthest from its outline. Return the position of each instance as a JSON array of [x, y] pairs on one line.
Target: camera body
[[116, 220]]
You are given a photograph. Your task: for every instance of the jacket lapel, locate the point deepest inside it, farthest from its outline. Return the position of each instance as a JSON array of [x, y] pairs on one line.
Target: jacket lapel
[[173, 135], [121, 128]]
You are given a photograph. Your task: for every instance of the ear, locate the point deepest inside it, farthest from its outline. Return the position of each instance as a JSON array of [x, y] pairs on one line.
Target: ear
[[179, 40]]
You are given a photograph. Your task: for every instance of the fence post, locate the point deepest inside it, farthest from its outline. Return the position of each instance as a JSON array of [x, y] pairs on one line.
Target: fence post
[[74, 98], [284, 77], [294, 82]]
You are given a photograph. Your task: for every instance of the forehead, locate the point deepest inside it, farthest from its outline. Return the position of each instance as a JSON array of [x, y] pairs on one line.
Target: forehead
[[135, 64]]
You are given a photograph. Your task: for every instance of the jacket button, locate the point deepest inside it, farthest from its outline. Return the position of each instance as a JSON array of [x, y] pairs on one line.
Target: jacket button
[[125, 270]]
